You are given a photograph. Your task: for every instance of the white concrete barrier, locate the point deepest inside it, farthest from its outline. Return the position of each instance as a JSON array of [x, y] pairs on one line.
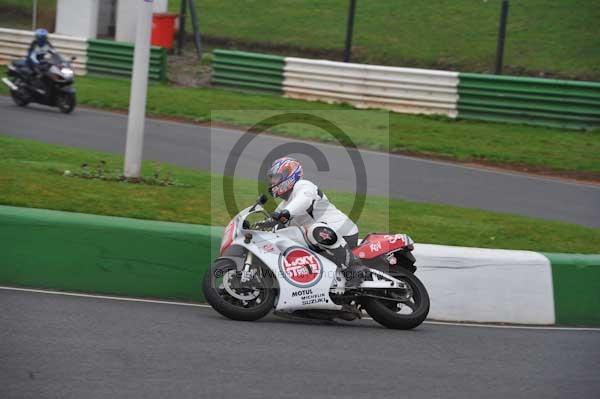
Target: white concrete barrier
[[15, 43], [406, 90], [486, 285]]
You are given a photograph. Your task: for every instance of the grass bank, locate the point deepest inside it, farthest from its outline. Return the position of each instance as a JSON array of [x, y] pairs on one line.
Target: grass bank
[[31, 175], [557, 38]]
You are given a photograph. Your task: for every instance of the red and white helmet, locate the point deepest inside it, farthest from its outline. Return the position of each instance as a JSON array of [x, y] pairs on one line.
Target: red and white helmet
[[283, 175]]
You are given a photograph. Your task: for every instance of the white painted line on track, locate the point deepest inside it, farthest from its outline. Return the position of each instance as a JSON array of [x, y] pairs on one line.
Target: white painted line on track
[[201, 305]]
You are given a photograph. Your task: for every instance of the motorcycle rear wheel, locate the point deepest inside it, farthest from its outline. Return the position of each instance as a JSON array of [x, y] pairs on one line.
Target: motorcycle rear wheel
[[230, 307], [387, 313]]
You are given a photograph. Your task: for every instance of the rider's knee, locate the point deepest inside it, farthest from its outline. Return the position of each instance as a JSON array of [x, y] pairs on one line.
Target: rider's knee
[[323, 236]]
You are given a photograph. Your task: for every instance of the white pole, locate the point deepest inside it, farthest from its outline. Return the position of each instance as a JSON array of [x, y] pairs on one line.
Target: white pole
[[34, 16], [139, 88]]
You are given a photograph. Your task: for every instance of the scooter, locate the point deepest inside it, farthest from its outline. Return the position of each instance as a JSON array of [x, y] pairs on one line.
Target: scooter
[[265, 267]]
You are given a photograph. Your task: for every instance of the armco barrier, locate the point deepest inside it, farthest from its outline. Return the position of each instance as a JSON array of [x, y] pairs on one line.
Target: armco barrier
[[15, 43], [406, 90], [112, 58], [245, 70], [71, 251], [534, 101], [110, 255]]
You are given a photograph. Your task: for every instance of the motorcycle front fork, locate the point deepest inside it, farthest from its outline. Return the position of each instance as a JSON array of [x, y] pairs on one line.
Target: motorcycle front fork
[[247, 272]]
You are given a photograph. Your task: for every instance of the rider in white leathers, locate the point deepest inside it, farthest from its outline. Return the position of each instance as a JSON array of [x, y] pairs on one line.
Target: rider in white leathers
[[325, 227]]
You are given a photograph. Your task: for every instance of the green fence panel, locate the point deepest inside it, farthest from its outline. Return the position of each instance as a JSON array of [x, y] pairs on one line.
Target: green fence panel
[[248, 71], [102, 254], [576, 283], [107, 57], [534, 101]]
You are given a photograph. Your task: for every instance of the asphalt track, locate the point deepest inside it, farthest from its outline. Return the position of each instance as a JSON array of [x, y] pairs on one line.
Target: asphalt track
[[55, 346], [394, 176]]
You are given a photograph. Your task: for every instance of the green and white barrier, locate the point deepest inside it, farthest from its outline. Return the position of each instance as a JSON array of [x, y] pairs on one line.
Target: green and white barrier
[[252, 71], [491, 285], [14, 44], [111, 58], [120, 256], [545, 102]]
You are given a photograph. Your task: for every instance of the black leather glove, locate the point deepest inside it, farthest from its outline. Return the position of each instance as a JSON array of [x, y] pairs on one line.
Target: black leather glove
[[282, 217], [265, 224]]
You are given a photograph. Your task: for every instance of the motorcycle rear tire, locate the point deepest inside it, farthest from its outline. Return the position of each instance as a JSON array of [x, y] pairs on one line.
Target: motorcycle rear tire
[[220, 267], [389, 318]]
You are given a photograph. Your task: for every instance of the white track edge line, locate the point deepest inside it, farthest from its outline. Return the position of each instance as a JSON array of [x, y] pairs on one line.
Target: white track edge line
[[200, 305]]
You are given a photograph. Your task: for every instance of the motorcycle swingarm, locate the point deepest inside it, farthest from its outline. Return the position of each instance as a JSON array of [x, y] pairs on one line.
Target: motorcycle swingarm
[[386, 298]]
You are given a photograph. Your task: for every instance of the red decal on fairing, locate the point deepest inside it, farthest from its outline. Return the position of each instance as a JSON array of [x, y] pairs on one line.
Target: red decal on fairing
[[300, 267], [379, 244]]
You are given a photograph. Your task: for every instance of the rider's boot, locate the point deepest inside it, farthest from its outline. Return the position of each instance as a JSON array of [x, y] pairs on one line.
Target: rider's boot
[[352, 268]]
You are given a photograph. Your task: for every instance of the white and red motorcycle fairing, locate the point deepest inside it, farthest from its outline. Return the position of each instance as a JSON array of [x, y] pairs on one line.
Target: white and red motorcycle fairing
[[264, 267]]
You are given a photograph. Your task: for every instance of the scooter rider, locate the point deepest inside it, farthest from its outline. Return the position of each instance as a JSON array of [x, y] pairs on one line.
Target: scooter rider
[[38, 49], [325, 227]]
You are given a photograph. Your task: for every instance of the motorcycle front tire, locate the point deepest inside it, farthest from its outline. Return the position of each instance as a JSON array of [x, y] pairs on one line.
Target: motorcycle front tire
[[18, 98], [66, 102], [227, 309]]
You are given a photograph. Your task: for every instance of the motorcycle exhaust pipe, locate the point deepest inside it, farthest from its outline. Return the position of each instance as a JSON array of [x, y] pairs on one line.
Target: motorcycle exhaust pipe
[[10, 84]]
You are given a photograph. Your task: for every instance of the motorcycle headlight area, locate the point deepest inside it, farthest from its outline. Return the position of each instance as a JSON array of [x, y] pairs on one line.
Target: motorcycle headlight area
[[67, 73]]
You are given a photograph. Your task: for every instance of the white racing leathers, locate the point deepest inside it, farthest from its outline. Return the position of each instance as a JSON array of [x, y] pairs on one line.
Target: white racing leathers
[[324, 225], [308, 205]]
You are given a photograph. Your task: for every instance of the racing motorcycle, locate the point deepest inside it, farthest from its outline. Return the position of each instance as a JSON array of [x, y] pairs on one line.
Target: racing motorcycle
[[53, 86], [265, 266]]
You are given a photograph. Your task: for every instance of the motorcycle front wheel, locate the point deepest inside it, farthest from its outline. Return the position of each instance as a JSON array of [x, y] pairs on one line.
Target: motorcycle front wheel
[[66, 102], [19, 97], [404, 315], [237, 300]]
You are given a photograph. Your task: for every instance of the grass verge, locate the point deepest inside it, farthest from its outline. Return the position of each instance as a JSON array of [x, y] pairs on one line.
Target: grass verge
[[522, 147], [558, 38], [31, 175]]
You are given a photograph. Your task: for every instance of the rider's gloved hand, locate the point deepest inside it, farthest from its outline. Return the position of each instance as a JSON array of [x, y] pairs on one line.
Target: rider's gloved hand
[[282, 217]]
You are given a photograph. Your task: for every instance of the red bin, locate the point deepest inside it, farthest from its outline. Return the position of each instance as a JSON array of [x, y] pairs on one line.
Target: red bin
[[163, 29]]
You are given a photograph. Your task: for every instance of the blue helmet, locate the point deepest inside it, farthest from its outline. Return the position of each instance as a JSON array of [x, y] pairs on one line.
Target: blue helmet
[[41, 36]]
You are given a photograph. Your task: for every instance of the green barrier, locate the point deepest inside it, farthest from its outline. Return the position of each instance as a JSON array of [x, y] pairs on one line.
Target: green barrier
[[250, 71], [103, 254], [533, 101], [576, 282], [106, 57], [131, 257]]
